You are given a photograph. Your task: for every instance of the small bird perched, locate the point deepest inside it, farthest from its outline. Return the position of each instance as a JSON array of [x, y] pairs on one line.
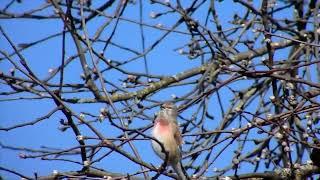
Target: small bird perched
[[166, 131]]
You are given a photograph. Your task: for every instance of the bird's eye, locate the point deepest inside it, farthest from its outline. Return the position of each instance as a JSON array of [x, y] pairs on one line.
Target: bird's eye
[[166, 106]]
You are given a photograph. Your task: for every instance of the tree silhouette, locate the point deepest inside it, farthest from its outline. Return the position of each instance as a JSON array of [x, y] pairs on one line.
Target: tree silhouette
[[245, 75]]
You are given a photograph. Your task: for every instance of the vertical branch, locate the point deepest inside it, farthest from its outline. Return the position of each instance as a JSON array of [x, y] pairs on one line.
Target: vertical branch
[[267, 38], [68, 21], [143, 36]]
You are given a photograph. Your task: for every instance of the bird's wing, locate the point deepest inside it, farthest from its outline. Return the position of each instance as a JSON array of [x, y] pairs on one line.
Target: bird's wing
[[177, 134]]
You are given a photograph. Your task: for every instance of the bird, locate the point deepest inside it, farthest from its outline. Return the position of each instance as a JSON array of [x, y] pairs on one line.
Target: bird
[[166, 131]]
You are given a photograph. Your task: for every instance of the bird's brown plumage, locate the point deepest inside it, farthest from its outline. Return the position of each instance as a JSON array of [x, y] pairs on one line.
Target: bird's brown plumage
[[166, 131]]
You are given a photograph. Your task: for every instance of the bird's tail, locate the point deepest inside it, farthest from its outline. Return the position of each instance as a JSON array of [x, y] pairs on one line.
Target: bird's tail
[[181, 172]]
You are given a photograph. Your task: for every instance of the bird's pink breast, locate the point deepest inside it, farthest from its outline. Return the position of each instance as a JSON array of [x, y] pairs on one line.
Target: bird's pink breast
[[162, 127]]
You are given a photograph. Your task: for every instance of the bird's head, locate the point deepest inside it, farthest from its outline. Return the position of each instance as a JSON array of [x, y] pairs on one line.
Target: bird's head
[[169, 109]]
